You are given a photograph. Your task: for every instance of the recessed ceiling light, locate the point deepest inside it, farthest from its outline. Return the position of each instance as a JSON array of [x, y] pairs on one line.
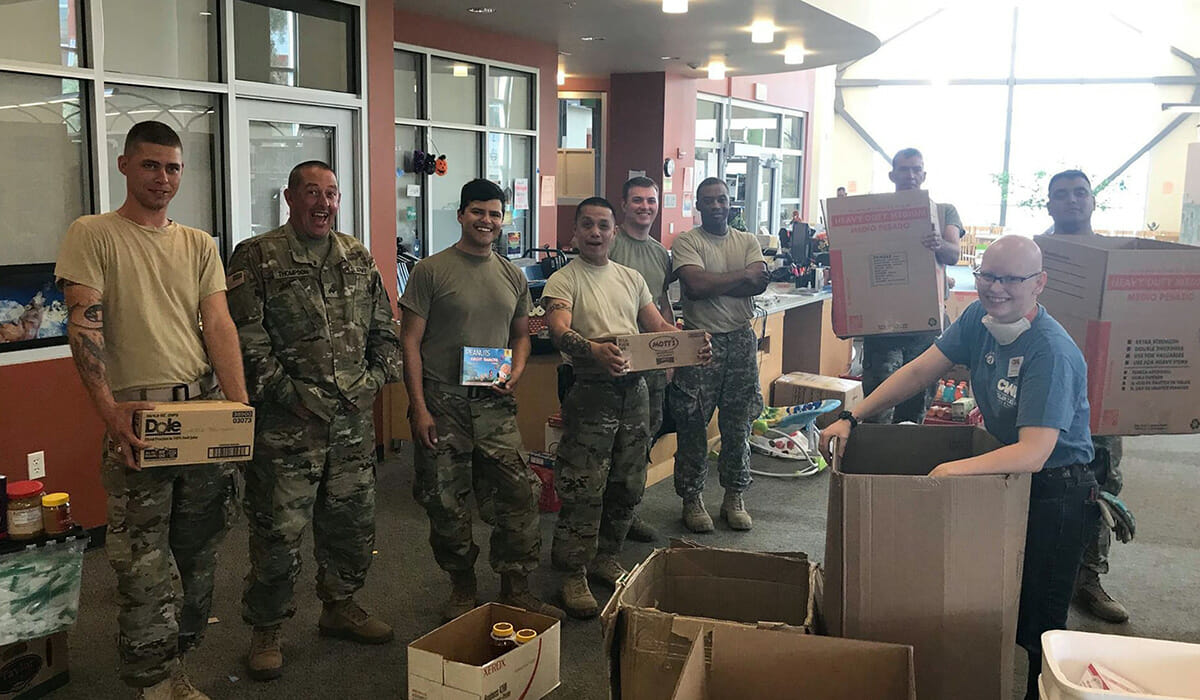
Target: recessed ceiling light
[[591, 38], [206, 14], [675, 7], [794, 54], [716, 70], [481, 10], [669, 58], [762, 31], [564, 53], [461, 71]]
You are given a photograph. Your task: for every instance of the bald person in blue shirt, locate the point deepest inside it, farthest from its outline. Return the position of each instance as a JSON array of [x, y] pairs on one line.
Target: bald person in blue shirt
[[1030, 382]]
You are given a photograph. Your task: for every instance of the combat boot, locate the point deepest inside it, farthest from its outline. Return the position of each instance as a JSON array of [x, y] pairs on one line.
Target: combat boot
[[640, 531], [1092, 597], [462, 598], [606, 569], [577, 597], [265, 660], [161, 690], [733, 510], [514, 591], [346, 620], [182, 688], [695, 516]]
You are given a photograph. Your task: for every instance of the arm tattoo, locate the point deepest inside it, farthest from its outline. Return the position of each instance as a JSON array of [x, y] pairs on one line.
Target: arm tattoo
[[94, 313], [89, 318], [558, 306], [574, 344]]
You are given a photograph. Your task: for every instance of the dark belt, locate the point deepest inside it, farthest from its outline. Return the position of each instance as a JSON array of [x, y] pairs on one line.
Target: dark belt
[[169, 392], [466, 392], [1073, 471]]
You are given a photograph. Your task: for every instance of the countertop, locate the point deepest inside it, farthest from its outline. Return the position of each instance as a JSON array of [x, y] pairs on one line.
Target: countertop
[[781, 296]]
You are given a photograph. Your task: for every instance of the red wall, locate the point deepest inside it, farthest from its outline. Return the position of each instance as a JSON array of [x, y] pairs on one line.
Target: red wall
[[679, 134]]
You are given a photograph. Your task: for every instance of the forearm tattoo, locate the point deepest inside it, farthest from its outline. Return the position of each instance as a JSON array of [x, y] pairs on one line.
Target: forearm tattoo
[[574, 344], [558, 306], [86, 337]]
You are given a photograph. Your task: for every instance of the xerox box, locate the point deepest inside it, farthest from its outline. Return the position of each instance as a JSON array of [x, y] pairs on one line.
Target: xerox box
[[195, 432], [661, 350], [1133, 307]]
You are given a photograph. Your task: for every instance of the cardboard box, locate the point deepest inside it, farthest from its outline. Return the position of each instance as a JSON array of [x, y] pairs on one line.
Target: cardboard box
[[660, 350], [455, 661], [195, 432], [485, 366], [758, 664], [1133, 307], [884, 279], [802, 387], [935, 563], [33, 668], [676, 594]]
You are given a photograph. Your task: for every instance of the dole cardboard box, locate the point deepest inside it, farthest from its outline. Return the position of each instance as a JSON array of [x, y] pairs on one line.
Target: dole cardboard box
[[884, 279], [195, 432], [33, 668], [801, 387], [660, 350], [456, 661], [676, 594], [930, 562], [764, 664], [1133, 307]]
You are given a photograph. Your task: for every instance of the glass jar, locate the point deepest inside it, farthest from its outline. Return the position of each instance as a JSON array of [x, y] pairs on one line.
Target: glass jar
[[56, 513], [25, 510], [502, 638], [525, 636]]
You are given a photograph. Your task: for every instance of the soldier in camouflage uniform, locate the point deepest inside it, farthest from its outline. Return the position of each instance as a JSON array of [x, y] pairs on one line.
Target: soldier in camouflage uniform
[[135, 282], [600, 468], [469, 296], [720, 270], [318, 343]]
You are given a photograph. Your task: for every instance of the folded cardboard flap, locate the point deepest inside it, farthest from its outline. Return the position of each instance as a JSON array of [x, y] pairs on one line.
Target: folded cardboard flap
[[910, 450]]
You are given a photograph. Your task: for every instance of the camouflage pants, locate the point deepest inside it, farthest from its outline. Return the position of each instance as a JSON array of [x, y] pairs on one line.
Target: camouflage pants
[[729, 384], [882, 356], [308, 470], [600, 469], [164, 526], [656, 388], [478, 447], [1107, 468]]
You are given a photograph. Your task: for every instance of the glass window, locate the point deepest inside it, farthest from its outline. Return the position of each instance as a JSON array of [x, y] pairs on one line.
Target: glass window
[[461, 149], [793, 133], [275, 148], [170, 38], [508, 165], [754, 126], [453, 92], [406, 75], [314, 49], [409, 212], [42, 31], [708, 120], [509, 99], [791, 177], [194, 116], [43, 136], [580, 143]]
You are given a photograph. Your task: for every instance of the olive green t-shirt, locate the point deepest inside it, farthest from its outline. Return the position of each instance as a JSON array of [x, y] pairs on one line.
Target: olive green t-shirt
[[648, 257], [151, 281], [466, 301], [734, 251], [604, 299]]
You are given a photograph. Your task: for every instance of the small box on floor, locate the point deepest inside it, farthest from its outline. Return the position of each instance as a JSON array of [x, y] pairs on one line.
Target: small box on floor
[[458, 661], [33, 668], [661, 350], [801, 387], [195, 432]]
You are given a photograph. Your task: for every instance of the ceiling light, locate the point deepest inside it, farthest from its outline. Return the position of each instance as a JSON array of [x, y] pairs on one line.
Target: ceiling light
[[461, 71], [564, 53], [716, 70], [206, 14], [561, 77], [793, 55], [1185, 107], [481, 10], [675, 7], [591, 38], [669, 58], [762, 31]]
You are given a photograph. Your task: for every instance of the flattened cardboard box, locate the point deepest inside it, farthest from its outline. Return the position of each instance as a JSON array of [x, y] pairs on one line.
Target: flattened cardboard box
[[801, 387], [884, 279], [676, 594], [935, 563], [455, 661], [34, 668], [195, 432], [1133, 308], [761, 664], [660, 350]]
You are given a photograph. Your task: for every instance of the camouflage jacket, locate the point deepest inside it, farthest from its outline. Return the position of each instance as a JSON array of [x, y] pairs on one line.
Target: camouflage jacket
[[312, 334]]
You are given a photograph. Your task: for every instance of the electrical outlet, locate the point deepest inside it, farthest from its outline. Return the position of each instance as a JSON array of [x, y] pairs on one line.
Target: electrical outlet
[[37, 464]]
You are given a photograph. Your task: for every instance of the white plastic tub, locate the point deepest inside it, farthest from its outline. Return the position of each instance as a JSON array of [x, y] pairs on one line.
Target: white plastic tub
[[1167, 670]]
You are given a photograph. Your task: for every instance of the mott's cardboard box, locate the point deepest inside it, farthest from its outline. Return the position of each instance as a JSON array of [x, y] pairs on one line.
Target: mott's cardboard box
[[677, 594], [801, 387], [660, 350], [934, 563], [884, 279], [196, 432], [1133, 307], [763, 664], [33, 668], [456, 661]]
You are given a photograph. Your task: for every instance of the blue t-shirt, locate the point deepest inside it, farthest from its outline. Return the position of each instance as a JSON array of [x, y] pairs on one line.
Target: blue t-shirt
[[1038, 380]]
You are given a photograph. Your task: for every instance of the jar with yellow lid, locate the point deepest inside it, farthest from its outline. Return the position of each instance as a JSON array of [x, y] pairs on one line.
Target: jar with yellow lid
[[25, 509], [502, 638], [56, 513], [525, 636]]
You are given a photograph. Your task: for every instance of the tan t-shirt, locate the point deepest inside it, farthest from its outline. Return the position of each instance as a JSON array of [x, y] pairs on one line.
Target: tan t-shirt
[[648, 257], [466, 301], [151, 281], [734, 251], [605, 299]]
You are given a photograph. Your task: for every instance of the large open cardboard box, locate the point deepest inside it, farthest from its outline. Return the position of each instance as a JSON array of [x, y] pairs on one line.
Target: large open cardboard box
[[1133, 306], [935, 563]]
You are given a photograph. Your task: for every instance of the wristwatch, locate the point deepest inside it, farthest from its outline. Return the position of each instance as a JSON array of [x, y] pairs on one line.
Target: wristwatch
[[846, 415]]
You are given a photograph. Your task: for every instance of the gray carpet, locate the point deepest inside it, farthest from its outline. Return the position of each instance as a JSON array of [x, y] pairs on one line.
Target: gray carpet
[[1155, 576]]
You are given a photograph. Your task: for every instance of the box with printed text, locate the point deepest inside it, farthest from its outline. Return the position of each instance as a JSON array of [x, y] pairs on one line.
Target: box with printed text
[[195, 432], [485, 366], [646, 351]]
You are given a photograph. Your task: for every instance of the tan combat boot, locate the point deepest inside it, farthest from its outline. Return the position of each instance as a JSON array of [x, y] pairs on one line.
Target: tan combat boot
[[606, 569], [514, 591], [265, 660], [182, 688], [344, 619], [695, 517], [462, 598], [733, 510], [577, 597], [640, 531], [161, 690]]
